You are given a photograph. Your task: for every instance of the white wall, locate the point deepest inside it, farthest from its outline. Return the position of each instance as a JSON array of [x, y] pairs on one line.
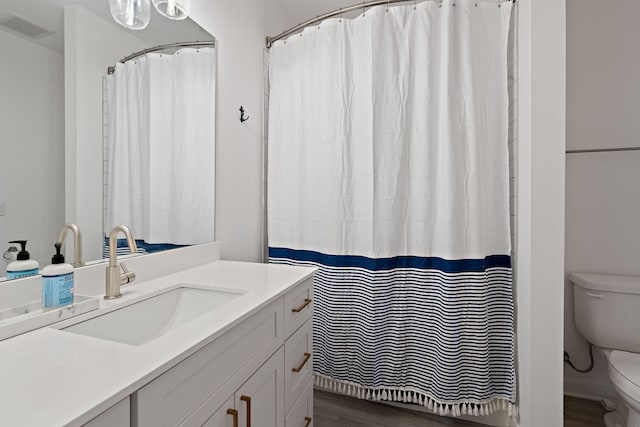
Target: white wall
[[240, 28], [603, 195], [91, 45], [540, 241], [32, 144]]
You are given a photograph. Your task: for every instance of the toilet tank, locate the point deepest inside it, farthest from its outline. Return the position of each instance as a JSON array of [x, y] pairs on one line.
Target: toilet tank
[[607, 310]]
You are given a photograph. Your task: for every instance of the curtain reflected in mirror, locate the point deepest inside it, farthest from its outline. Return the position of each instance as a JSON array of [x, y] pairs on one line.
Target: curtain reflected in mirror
[[160, 151]]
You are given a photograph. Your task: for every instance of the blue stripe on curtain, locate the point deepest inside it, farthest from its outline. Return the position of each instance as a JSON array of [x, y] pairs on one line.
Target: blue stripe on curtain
[[377, 264], [419, 330]]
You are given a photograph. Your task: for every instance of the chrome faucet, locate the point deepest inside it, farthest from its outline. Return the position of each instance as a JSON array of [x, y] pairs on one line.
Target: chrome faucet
[[77, 242], [114, 278]]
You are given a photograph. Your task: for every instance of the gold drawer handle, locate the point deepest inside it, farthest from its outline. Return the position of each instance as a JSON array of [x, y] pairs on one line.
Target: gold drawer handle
[[308, 420], [304, 362], [247, 400], [234, 414], [307, 301]]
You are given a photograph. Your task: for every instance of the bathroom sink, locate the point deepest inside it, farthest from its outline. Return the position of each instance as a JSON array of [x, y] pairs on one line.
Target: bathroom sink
[[144, 321]]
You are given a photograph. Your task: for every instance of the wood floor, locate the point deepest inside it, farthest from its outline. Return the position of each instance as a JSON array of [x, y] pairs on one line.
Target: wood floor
[[332, 410], [582, 413]]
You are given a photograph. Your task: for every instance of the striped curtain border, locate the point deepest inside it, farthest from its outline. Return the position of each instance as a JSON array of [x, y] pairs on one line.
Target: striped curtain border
[[382, 264]]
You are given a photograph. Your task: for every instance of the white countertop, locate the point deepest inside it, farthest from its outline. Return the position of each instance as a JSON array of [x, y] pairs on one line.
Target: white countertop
[[50, 377]]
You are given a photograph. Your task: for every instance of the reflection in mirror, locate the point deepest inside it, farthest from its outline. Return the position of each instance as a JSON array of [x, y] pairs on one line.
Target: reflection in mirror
[[55, 55], [159, 130]]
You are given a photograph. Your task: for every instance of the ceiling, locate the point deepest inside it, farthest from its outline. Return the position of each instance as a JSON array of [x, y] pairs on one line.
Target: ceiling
[[303, 10], [49, 14]]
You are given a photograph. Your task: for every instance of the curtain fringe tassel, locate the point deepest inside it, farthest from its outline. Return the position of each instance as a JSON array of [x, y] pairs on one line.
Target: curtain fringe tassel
[[454, 409]]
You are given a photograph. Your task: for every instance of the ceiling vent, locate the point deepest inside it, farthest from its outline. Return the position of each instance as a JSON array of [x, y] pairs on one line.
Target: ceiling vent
[[23, 26]]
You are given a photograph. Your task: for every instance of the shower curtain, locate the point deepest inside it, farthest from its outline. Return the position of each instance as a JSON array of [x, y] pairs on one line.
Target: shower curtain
[[161, 147], [388, 169]]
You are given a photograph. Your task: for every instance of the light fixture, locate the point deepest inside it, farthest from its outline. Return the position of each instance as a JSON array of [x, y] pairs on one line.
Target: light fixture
[[133, 14], [173, 9]]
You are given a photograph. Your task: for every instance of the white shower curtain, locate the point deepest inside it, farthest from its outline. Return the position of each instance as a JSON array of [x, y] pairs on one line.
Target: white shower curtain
[[161, 145], [388, 169]]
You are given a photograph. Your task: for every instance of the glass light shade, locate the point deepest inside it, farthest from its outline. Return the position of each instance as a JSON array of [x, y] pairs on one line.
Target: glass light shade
[[133, 14], [173, 9]]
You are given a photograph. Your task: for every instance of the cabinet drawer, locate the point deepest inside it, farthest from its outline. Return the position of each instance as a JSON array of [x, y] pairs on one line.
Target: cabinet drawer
[[298, 306], [173, 396], [301, 414], [298, 363]]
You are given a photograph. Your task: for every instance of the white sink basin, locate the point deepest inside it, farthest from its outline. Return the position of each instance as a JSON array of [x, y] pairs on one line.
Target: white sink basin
[[149, 319]]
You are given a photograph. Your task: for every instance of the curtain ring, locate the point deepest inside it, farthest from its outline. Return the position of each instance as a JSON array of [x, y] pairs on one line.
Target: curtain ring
[[387, 5], [340, 20], [364, 8]]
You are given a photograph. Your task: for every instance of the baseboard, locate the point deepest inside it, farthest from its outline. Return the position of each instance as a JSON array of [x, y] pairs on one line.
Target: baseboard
[[589, 390], [583, 396]]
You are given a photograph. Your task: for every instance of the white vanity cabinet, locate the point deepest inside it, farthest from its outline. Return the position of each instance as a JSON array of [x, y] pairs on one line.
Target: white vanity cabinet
[[256, 403], [254, 375], [298, 356], [117, 415], [301, 414]]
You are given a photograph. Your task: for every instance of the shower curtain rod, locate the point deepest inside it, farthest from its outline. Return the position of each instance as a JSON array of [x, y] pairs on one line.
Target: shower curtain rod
[[602, 150], [337, 12], [111, 69]]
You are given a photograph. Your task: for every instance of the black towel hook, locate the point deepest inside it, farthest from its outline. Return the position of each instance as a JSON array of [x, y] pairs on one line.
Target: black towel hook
[[242, 117]]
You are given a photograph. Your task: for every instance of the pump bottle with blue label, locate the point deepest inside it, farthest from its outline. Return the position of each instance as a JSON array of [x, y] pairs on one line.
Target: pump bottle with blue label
[[57, 282], [23, 266]]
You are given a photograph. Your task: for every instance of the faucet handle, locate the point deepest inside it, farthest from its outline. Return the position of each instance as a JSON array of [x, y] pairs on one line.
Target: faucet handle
[[126, 276]]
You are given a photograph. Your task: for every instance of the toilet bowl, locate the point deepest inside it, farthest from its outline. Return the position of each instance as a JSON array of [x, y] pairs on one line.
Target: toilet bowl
[[624, 372], [607, 314]]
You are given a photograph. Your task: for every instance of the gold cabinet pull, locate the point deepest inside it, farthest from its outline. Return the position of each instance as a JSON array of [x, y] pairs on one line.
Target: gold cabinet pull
[[247, 400], [304, 362], [234, 414], [308, 420], [307, 301]]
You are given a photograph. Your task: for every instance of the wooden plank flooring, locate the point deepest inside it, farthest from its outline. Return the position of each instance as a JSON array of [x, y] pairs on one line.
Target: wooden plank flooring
[[582, 413], [333, 410]]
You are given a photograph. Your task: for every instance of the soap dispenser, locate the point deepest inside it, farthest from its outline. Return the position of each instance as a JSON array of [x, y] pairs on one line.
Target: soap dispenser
[[57, 282], [23, 266]]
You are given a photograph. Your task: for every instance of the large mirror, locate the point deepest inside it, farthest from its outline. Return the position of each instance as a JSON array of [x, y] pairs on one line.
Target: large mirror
[[57, 112]]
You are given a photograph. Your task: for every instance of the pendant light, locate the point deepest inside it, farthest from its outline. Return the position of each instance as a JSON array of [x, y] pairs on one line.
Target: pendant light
[[133, 14], [173, 9]]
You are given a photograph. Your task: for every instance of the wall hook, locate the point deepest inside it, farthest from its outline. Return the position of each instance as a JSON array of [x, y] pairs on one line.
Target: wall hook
[[242, 117]]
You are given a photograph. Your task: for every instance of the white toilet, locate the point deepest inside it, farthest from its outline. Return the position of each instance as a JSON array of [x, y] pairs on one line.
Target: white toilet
[[607, 314]]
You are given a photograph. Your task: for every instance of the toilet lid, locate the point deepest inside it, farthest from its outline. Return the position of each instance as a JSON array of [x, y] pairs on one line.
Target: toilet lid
[[626, 365]]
